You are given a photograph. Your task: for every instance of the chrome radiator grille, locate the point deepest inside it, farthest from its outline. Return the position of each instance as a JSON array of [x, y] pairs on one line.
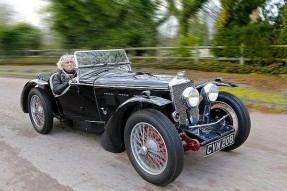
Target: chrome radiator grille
[[179, 107]]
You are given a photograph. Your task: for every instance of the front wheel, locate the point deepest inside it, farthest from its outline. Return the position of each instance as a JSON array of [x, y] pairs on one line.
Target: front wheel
[[40, 111], [153, 146], [238, 118]]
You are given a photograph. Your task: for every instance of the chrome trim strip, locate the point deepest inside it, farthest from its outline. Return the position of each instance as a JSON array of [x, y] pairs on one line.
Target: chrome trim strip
[[209, 124], [128, 87], [95, 121]]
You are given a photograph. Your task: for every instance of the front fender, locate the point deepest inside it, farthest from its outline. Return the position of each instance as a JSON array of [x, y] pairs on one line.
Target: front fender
[[25, 92], [217, 81], [112, 139], [158, 101]]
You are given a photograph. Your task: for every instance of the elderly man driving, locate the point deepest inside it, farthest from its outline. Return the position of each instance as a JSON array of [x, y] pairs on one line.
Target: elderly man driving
[[61, 80]]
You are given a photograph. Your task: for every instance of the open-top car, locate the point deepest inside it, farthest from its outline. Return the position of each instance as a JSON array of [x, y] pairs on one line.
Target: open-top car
[[155, 118]]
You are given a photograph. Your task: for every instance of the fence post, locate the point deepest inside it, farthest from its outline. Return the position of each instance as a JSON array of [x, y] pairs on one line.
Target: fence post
[[241, 54], [196, 55]]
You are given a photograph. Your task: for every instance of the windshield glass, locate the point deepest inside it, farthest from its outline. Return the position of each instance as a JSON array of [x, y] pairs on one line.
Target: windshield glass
[[92, 63], [100, 57]]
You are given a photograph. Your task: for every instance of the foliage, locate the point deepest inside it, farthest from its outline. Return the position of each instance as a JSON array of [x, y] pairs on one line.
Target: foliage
[[184, 13], [189, 9], [19, 37], [235, 27], [22, 61], [283, 32], [236, 13], [276, 68], [101, 24], [199, 29], [256, 38], [183, 42], [212, 66]]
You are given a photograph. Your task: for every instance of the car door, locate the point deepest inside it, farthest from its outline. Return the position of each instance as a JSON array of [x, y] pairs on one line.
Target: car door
[[79, 103]]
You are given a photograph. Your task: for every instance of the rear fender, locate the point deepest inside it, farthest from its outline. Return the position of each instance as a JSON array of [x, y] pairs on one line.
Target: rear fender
[[112, 139]]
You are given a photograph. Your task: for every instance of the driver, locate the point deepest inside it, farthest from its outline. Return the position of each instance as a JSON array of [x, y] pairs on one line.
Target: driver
[[61, 80]]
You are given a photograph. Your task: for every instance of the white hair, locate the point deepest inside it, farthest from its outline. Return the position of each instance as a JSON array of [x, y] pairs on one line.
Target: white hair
[[61, 61]]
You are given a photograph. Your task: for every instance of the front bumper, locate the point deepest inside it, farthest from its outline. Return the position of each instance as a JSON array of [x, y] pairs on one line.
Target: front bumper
[[208, 133]]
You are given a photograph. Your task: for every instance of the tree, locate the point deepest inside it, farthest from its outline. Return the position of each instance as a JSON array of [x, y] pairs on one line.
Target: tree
[[283, 34], [276, 14], [15, 37], [183, 10], [19, 37], [102, 24], [236, 12], [139, 22], [236, 26]]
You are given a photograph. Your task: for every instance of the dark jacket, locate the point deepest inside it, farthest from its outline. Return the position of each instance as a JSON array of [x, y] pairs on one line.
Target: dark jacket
[[61, 81]]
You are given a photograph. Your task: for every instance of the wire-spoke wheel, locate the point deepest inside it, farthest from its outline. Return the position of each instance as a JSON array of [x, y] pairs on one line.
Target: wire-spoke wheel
[[154, 146], [40, 111], [238, 118], [220, 109], [148, 148], [37, 111]]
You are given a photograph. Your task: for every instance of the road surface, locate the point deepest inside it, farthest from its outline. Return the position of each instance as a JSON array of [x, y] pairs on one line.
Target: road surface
[[68, 159]]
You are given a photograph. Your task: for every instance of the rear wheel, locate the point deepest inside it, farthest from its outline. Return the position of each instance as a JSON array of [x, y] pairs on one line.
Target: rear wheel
[[40, 111], [238, 118], [154, 146]]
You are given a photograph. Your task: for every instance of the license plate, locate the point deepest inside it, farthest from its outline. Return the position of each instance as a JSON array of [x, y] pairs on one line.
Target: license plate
[[219, 144]]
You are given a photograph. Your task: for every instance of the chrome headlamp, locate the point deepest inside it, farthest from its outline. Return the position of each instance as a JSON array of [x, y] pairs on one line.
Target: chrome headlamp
[[210, 92], [190, 97]]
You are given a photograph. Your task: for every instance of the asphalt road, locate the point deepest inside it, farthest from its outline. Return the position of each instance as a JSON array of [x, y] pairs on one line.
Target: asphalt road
[[68, 159]]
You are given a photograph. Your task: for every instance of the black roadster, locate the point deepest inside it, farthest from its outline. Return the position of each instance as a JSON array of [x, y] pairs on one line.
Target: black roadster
[[155, 118]]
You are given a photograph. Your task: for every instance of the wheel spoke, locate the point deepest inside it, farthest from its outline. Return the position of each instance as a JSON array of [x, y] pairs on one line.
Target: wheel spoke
[[138, 137], [154, 153], [149, 148], [220, 109], [37, 112]]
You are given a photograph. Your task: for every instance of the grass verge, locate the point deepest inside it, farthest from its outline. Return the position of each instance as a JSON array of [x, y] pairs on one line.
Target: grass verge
[[258, 100]]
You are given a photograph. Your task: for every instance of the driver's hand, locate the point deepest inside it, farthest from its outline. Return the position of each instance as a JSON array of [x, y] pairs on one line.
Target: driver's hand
[[74, 80]]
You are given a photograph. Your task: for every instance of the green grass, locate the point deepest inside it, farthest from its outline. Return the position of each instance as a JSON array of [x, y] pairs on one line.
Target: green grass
[[29, 61], [16, 74], [260, 101], [256, 95]]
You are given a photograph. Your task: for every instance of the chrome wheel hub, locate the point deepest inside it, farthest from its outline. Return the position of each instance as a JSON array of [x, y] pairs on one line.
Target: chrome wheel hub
[[143, 150], [149, 146]]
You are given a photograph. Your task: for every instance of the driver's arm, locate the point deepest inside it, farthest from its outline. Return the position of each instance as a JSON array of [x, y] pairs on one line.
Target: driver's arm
[[58, 85]]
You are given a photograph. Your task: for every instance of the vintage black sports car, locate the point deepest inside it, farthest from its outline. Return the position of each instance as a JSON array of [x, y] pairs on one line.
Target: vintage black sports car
[[155, 118]]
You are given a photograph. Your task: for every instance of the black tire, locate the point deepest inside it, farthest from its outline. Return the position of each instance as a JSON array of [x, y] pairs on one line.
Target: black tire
[[161, 137], [45, 111], [227, 103]]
